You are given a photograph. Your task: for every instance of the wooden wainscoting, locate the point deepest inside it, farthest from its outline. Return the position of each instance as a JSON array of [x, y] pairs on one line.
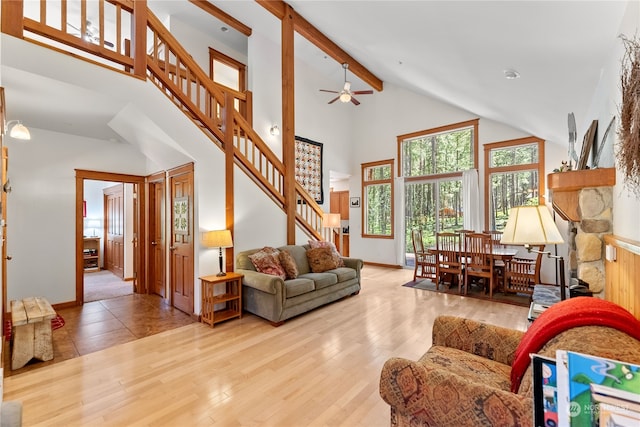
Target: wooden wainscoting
[[622, 283]]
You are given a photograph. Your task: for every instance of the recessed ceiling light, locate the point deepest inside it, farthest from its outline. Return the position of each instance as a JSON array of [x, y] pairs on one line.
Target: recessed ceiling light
[[224, 29], [510, 74]]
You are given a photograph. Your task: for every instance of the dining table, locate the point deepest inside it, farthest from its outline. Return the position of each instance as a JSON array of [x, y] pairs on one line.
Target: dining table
[[502, 253]]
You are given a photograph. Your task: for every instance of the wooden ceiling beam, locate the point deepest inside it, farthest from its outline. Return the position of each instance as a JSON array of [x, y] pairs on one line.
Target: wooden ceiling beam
[[223, 16], [276, 7], [311, 33]]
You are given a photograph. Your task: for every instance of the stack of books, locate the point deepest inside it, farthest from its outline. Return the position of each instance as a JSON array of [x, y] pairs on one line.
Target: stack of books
[[576, 389]]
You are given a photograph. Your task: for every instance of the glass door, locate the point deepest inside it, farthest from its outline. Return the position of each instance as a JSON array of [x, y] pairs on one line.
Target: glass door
[[431, 206]]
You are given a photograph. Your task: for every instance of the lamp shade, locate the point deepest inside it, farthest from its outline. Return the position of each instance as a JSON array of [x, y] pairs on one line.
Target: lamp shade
[[331, 220], [531, 225], [217, 239]]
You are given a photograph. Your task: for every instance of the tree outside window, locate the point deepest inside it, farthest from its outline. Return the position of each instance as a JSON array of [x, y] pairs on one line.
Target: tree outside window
[[432, 162], [377, 190], [514, 176]]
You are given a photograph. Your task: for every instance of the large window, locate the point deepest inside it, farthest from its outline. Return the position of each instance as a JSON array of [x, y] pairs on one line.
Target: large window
[[432, 162], [514, 176], [377, 191]]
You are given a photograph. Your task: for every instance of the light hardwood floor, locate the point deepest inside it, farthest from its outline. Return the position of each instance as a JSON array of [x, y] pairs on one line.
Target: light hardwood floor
[[319, 369]]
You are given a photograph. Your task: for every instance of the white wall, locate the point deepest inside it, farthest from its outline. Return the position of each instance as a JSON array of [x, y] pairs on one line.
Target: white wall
[[604, 105], [41, 214]]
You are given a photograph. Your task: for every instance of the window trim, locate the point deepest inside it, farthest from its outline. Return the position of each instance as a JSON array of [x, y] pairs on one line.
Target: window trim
[[488, 170], [441, 129], [390, 181]]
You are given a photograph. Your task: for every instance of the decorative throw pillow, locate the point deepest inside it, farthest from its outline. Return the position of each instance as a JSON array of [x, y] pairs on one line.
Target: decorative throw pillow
[[268, 263], [313, 244], [321, 259], [289, 264]]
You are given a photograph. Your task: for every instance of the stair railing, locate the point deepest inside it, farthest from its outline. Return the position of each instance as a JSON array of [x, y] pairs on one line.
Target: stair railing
[[172, 69]]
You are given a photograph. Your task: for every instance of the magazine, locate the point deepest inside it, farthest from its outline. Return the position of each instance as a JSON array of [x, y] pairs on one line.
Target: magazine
[[595, 391], [545, 396]]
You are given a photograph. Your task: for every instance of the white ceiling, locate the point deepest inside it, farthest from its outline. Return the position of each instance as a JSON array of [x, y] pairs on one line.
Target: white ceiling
[[452, 50]]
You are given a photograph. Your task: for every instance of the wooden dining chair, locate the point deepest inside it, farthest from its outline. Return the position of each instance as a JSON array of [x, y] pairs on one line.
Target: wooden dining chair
[[425, 260], [478, 248], [449, 260], [498, 264], [522, 274]]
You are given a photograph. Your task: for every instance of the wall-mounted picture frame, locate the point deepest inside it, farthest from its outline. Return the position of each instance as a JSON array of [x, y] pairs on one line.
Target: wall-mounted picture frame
[[309, 167], [354, 202]]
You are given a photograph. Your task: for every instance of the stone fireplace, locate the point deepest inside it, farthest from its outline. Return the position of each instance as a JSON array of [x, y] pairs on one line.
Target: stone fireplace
[[585, 198]]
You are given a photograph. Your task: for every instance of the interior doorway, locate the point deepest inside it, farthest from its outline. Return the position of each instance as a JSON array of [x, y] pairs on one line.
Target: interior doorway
[[109, 232], [100, 227]]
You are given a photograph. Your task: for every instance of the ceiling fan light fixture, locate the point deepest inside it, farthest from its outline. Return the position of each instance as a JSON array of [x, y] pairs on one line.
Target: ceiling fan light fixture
[[345, 97]]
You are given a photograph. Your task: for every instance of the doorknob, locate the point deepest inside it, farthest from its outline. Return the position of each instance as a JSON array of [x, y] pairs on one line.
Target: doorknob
[[154, 243], [172, 248]]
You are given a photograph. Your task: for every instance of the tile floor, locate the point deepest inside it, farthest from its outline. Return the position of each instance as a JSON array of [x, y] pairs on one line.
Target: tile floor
[[101, 324]]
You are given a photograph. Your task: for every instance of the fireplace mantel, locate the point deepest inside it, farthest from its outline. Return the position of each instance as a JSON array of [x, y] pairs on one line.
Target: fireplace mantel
[[566, 187]]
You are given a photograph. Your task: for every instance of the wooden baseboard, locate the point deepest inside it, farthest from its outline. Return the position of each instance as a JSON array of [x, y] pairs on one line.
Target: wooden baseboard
[[378, 264]]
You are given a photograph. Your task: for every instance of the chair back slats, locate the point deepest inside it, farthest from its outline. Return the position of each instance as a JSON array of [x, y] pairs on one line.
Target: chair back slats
[[449, 262], [496, 236], [478, 248], [425, 260], [522, 274]]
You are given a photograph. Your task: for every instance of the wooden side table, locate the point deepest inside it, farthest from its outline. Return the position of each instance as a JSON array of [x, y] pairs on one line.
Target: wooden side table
[[31, 322], [230, 299]]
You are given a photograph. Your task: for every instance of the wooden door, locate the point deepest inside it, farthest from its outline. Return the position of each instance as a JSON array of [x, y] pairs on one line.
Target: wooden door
[[114, 229], [157, 241], [181, 268], [3, 226]]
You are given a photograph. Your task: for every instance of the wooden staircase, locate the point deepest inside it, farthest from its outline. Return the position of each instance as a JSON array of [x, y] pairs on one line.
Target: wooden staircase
[[172, 69]]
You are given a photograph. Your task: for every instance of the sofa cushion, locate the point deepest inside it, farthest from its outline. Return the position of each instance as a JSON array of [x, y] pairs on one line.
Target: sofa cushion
[[299, 254], [321, 259], [321, 280], [268, 263], [288, 263], [314, 244], [295, 287], [344, 273]]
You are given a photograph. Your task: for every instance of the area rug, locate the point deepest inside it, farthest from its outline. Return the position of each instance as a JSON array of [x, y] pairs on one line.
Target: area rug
[[473, 292]]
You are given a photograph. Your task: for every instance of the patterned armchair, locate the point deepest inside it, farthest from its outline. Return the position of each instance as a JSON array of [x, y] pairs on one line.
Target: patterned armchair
[[467, 377]]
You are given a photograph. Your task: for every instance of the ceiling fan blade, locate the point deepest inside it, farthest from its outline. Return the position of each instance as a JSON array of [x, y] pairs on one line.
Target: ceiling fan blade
[[362, 92], [355, 101], [333, 100], [330, 91]]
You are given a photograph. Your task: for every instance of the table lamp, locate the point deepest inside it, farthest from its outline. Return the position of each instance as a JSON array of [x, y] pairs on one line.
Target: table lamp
[[218, 239], [531, 226], [331, 221]]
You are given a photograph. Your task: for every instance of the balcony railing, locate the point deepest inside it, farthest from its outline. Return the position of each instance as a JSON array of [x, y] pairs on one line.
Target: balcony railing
[[113, 33]]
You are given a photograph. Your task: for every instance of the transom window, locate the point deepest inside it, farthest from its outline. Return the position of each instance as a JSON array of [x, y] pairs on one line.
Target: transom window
[[450, 149], [377, 190], [513, 177]]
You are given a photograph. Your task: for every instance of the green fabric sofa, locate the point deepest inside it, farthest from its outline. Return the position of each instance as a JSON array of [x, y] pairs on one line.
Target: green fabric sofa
[[276, 300]]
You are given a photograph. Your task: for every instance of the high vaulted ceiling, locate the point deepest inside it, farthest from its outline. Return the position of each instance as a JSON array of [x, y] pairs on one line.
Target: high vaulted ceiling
[[456, 51]]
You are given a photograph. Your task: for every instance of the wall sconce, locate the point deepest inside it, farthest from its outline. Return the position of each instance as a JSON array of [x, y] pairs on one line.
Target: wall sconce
[[274, 130], [18, 130]]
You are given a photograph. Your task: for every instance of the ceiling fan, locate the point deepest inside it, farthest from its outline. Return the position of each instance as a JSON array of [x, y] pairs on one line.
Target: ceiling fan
[[346, 94], [91, 34]]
